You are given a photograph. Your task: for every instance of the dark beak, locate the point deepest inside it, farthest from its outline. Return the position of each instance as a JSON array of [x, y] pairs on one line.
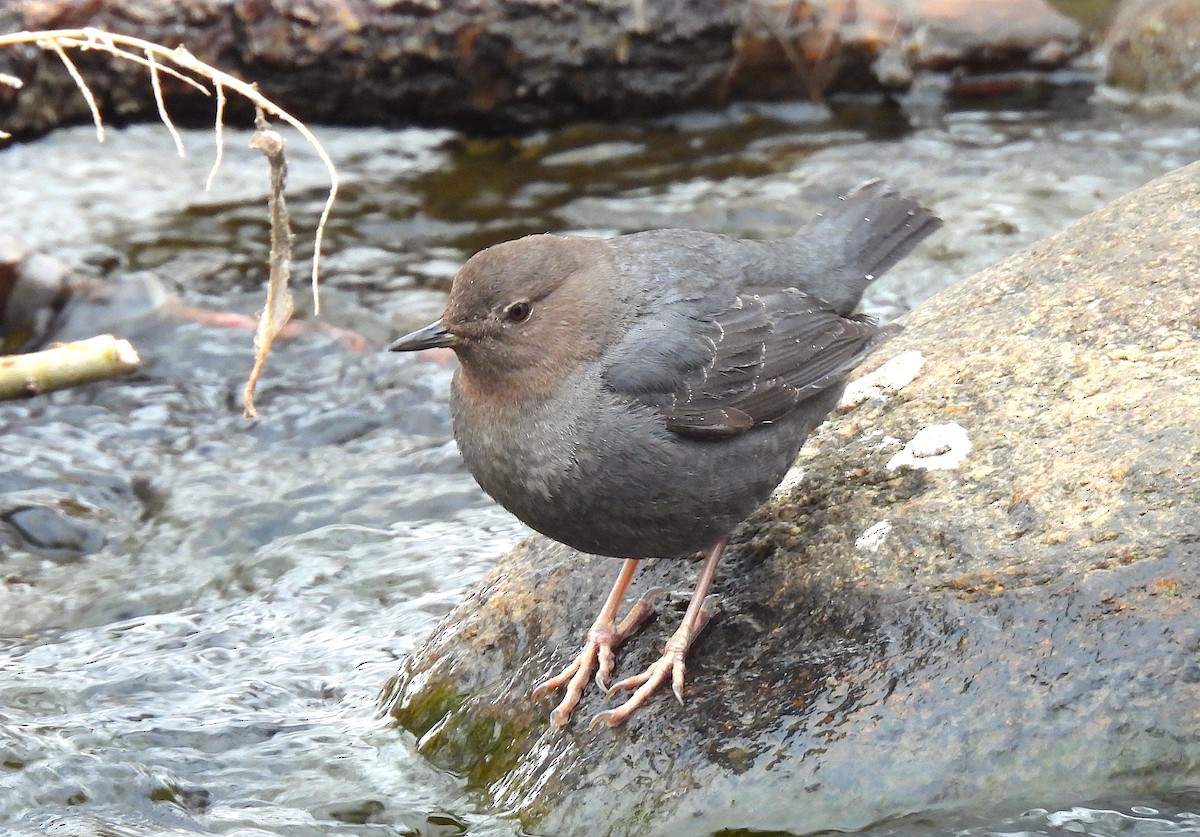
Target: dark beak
[[433, 336]]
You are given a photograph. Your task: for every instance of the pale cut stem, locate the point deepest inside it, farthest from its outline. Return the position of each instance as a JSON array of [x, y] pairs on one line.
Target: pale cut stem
[[66, 365]]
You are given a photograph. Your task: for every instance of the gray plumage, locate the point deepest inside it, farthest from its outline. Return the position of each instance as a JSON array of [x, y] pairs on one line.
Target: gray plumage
[[639, 396], [662, 383]]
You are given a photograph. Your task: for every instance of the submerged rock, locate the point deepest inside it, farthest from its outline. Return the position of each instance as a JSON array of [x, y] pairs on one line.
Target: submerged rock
[[1015, 626], [34, 288]]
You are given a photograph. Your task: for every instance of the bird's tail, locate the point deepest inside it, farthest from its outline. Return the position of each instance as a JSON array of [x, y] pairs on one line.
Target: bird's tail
[[869, 230]]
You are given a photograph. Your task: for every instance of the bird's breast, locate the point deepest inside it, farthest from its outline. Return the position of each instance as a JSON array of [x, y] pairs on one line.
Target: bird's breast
[[605, 476], [518, 451]]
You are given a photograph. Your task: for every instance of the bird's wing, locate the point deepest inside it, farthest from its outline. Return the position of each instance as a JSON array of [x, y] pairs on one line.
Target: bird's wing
[[718, 374]]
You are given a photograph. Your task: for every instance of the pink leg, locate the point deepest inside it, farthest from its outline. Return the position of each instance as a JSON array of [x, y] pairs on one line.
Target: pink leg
[[674, 653], [604, 637]]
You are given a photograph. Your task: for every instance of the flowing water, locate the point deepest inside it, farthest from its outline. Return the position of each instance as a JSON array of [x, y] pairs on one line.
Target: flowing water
[[197, 611]]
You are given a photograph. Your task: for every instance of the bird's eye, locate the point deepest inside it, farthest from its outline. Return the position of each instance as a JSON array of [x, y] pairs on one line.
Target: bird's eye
[[518, 312]]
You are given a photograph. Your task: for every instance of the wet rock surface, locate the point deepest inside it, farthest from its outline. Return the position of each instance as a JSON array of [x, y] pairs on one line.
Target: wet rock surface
[[1019, 625], [504, 66]]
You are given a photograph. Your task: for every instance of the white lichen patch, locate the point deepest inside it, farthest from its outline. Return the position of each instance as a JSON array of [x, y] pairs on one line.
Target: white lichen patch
[[891, 377], [935, 447], [873, 537], [790, 480]]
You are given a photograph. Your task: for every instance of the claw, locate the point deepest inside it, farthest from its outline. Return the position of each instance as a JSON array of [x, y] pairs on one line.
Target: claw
[[597, 653], [605, 637], [575, 675], [557, 680], [673, 662], [608, 661], [643, 685]]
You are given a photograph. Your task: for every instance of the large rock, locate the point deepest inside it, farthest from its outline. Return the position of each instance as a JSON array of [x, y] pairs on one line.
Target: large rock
[[1011, 618], [514, 64], [1153, 46]]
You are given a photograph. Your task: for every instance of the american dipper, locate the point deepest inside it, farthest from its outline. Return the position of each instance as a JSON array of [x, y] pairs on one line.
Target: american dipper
[[639, 396]]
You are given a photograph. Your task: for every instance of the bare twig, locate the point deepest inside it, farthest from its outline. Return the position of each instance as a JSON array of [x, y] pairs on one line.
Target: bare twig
[[55, 47], [92, 38], [179, 63], [156, 85], [124, 54], [219, 131], [279, 296]]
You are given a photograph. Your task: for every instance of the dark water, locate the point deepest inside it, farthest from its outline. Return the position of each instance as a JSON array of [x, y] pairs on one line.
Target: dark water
[[197, 611]]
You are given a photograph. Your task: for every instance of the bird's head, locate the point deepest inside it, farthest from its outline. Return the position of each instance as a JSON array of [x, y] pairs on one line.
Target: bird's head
[[522, 314]]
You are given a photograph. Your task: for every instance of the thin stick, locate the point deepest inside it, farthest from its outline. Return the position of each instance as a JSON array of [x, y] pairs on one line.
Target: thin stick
[[156, 85], [219, 130], [278, 308], [114, 50], [80, 83]]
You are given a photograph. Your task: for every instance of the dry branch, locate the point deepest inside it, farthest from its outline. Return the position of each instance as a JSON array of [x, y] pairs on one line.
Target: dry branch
[[179, 63], [89, 38]]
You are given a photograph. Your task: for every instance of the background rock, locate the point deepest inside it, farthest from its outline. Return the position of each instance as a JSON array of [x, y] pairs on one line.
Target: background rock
[[1153, 46], [503, 66]]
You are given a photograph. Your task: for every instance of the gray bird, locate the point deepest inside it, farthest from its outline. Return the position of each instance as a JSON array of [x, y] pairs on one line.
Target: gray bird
[[639, 396]]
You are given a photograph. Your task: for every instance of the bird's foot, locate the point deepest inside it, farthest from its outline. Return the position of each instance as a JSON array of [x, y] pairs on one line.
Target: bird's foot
[[597, 655], [672, 662]]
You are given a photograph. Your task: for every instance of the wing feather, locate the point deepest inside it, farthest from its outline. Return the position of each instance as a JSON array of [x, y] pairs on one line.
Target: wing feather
[[751, 363]]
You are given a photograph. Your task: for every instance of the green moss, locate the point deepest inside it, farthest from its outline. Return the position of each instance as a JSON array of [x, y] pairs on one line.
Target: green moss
[[418, 712], [478, 745], [475, 742]]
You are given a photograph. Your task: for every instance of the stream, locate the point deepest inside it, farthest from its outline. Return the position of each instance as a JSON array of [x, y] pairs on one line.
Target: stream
[[198, 611]]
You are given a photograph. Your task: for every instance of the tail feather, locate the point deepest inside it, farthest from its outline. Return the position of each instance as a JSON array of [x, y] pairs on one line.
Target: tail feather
[[848, 247]]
